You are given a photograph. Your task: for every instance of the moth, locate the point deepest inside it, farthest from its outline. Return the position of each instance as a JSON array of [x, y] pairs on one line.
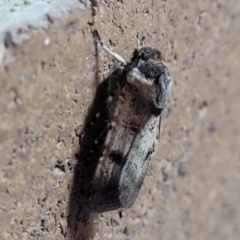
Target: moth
[[127, 128]]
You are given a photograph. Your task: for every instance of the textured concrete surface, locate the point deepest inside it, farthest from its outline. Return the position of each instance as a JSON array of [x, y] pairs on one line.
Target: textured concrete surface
[[48, 85], [23, 18]]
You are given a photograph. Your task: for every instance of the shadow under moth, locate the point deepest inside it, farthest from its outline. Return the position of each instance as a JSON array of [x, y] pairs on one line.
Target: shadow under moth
[[128, 126]]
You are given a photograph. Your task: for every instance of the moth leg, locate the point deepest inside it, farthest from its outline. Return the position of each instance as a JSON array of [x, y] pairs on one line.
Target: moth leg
[[159, 127], [115, 55]]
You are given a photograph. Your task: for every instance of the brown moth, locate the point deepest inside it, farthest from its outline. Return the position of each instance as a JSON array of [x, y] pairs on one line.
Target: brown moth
[[137, 95]]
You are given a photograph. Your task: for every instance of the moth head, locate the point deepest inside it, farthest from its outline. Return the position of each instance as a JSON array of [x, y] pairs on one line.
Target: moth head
[[146, 53], [151, 77]]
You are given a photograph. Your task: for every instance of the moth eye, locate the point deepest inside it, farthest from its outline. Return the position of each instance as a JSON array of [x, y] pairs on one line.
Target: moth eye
[[150, 70]]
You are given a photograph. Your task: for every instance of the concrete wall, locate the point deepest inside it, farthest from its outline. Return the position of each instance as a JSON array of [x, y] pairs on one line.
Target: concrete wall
[[48, 80]]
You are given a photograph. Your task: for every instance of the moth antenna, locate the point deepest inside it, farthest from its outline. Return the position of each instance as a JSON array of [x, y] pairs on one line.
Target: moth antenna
[[115, 55], [140, 44]]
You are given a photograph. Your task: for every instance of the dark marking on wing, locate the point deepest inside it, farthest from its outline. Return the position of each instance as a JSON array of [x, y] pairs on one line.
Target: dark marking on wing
[[117, 157], [156, 111], [135, 129]]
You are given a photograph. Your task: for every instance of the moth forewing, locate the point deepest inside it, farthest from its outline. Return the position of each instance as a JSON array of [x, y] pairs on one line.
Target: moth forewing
[[135, 168]]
